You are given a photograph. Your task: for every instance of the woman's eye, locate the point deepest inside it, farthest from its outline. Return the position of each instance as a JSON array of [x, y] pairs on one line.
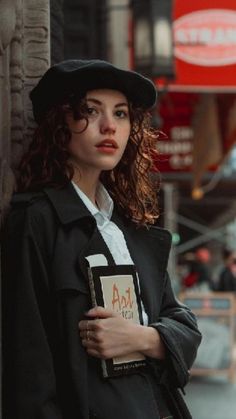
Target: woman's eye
[[91, 111], [122, 114]]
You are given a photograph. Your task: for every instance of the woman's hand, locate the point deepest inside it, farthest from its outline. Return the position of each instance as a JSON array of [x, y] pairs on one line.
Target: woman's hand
[[107, 334]]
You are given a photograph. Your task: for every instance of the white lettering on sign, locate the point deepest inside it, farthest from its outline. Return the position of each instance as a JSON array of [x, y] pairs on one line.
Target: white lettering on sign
[[181, 133], [178, 162], [170, 147], [178, 147], [206, 37]]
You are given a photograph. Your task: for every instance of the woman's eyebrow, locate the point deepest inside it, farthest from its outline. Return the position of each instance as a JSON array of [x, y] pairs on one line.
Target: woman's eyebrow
[[121, 104], [98, 102]]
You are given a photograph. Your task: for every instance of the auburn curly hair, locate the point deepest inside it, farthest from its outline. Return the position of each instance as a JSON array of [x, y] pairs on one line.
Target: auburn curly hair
[[133, 184]]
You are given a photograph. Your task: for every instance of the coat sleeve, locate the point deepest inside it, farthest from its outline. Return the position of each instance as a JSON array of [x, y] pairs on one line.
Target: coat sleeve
[[178, 329], [29, 385]]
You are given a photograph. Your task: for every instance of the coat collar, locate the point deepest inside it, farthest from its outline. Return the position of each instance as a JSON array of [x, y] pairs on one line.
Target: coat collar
[[68, 205]]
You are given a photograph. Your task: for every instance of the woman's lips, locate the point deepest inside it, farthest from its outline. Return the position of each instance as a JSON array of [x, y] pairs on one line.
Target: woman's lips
[[107, 146]]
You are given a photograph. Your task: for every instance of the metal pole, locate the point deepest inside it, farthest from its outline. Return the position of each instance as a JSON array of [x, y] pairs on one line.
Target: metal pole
[[170, 222]]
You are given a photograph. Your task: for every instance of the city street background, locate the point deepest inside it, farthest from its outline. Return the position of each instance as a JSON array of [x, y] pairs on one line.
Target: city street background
[[211, 398]]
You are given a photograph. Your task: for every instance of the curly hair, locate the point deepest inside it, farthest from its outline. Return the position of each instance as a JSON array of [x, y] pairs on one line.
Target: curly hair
[[133, 184]]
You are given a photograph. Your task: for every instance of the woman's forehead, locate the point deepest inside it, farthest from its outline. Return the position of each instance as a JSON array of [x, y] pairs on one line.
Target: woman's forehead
[[106, 94]]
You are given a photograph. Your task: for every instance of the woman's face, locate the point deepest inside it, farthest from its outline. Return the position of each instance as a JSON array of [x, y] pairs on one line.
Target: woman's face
[[101, 145]]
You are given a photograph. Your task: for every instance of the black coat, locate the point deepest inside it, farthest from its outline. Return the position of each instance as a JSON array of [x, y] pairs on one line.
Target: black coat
[[46, 294]]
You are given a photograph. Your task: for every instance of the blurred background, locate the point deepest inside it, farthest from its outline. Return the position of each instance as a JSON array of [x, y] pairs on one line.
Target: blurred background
[[188, 48]]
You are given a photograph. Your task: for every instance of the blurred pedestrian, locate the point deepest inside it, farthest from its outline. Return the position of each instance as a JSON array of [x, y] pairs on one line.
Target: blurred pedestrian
[[198, 276], [85, 187], [227, 277]]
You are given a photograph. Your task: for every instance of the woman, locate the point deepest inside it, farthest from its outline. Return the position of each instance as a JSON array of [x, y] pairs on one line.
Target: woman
[[92, 150]]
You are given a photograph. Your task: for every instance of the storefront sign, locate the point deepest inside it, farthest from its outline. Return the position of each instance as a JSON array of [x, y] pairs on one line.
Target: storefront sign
[[176, 148], [204, 34], [176, 151], [206, 37]]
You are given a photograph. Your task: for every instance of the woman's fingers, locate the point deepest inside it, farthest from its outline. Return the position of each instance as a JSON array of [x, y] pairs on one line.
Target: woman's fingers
[[106, 334], [101, 312], [95, 314], [108, 337]]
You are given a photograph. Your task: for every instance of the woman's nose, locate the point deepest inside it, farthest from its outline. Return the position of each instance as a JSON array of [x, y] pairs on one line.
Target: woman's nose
[[107, 124]]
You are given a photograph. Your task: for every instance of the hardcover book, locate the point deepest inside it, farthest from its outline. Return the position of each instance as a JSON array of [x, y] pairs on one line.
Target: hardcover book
[[117, 288]]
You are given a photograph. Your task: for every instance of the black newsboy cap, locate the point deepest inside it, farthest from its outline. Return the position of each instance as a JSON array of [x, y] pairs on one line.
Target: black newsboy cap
[[78, 76]]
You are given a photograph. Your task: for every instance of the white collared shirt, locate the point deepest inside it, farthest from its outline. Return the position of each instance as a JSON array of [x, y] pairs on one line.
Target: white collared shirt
[[110, 232]]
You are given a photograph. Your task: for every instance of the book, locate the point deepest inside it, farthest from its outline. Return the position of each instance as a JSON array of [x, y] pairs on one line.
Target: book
[[117, 288]]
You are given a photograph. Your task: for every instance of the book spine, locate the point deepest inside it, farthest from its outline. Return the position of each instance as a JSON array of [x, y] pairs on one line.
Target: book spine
[[92, 289], [94, 304]]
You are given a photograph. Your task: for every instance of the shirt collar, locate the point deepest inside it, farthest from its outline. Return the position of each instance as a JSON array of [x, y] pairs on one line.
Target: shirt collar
[[104, 201]]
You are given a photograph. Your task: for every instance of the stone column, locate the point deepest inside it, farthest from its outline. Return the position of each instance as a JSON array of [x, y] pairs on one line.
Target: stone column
[[8, 19], [36, 54], [24, 56]]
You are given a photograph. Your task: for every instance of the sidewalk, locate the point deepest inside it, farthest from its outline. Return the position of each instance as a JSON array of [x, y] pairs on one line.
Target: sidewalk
[[211, 398]]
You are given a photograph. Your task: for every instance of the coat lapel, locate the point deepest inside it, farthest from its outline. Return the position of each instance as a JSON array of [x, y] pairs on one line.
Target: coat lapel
[[86, 240], [67, 204]]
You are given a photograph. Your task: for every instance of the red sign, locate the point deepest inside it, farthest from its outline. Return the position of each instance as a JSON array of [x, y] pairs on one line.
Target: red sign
[[177, 111], [204, 34], [206, 37], [175, 149]]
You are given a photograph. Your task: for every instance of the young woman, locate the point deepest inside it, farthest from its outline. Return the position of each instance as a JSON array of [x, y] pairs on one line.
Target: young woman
[[86, 187]]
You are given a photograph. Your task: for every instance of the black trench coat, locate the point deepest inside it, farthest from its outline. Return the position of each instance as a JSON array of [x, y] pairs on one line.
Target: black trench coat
[[47, 372]]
